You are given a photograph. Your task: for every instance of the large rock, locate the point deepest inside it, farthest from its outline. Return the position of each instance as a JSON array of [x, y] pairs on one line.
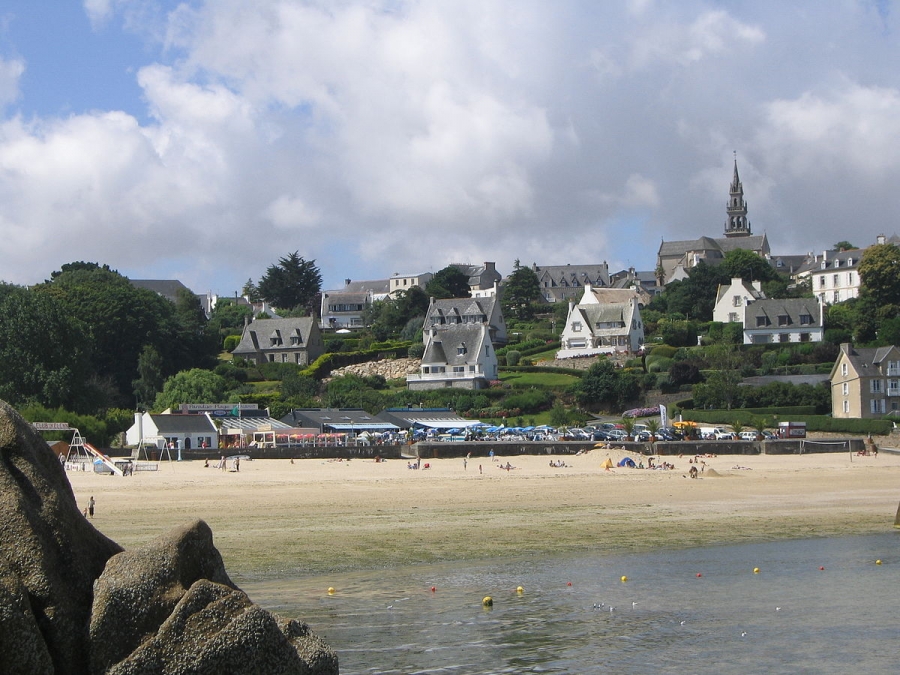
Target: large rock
[[167, 607]]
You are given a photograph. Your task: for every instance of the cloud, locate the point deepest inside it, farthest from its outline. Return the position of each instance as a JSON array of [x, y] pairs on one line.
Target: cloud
[[367, 133], [11, 71]]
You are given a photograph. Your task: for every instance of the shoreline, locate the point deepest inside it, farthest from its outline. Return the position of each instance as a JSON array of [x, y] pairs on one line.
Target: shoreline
[[275, 518]]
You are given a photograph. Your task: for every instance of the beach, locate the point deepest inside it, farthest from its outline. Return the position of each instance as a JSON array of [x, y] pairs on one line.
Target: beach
[[274, 517]]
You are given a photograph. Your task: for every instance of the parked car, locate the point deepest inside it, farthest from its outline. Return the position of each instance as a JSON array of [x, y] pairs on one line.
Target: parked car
[[668, 434], [748, 435], [719, 434], [601, 435], [768, 435], [617, 434], [642, 436]]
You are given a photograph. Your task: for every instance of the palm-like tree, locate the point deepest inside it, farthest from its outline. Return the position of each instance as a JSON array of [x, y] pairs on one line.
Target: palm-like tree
[[628, 426], [653, 427]]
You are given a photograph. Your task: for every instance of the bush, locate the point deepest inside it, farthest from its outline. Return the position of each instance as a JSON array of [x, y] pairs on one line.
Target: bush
[[664, 351], [512, 357], [231, 342], [529, 401], [416, 350]]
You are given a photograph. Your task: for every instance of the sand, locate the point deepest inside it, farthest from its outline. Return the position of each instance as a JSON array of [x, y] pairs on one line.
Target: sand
[[275, 518]]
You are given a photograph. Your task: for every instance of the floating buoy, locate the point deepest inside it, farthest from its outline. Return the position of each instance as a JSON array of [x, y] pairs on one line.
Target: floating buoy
[[755, 570], [488, 601], [331, 590], [877, 562], [433, 589], [568, 583], [699, 575], [821, 568], [520, 590], [624, 578]]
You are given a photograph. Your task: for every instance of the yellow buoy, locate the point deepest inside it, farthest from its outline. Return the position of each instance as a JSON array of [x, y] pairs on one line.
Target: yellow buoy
[[755, 570], [521, 590], [877, 562], [624, 578], [331, 590], [488, 601]]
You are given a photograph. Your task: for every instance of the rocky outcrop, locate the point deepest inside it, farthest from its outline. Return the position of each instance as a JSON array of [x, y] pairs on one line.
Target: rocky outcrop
[[389, 369], [71, 601]]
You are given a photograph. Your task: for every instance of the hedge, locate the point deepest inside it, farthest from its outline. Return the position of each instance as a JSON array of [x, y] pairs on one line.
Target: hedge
[[323, 365], [577, 372], [813, 422]]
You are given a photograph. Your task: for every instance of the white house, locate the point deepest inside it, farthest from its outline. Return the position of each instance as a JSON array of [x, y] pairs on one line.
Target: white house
[[606, 321], [181, 431], [787, 320], [459, 355], [732, 300], [835, 277], [467, 311]]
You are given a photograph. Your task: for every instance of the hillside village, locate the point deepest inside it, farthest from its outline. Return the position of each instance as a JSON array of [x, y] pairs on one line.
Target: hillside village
[[722, 322]]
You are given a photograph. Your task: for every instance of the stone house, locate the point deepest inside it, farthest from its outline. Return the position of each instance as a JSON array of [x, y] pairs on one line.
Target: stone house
[[865, 382], [460, 355], [297, 340]]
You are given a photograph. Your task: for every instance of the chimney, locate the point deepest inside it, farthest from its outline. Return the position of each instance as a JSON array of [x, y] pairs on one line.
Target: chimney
[[845, 348], [346, 282], [880, 239]]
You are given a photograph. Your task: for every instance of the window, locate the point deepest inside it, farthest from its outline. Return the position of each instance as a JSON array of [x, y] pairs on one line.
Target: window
[[733, 317], [875, 386], [804, 337], [846, 406], [762, 321], [461, 349], [844, 369], [822, 281], [459, 369], [737, 301], [784, 337], [845, 389], [834, 280], [877, 405], [576, 326], [784, 320], [806, 320]]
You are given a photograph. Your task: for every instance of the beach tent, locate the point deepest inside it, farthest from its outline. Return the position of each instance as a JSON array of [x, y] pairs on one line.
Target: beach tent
[[607, 464], [627, 461]]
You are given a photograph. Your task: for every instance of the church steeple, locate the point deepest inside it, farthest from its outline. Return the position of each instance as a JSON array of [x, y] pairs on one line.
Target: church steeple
[[736, 224]]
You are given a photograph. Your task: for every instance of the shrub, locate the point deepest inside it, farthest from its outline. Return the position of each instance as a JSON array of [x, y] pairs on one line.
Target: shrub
[[664, 351], [231, 342], [512, 357]]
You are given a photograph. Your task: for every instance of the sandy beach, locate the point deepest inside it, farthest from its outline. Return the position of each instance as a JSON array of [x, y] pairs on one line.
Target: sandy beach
[[274, 518]]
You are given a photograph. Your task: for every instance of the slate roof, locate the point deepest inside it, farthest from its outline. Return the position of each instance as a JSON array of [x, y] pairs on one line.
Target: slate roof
[[258, 334], [456, 345], [337, 419], [168, 288], [461, 307], [793, 308], [377, 287], [572, 275], [183, 424], [437, 418]]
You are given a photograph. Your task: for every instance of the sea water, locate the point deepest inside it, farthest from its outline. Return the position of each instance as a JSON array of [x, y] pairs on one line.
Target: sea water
[[815, 606]]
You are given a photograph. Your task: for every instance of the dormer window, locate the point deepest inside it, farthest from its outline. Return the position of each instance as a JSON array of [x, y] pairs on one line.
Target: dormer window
[[806, 320], [762, 321], [461, 349], [783, 319], [275, 339]]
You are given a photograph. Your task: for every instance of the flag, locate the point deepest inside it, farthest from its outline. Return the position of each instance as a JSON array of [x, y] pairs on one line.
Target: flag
[[663, 416]]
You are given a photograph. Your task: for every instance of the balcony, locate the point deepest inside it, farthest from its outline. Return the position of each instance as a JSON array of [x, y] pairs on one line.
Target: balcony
[[893, 391]]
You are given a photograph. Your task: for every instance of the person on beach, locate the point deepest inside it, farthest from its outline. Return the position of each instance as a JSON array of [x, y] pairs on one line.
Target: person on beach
[[91, 506], [465, 461], [237, 463]]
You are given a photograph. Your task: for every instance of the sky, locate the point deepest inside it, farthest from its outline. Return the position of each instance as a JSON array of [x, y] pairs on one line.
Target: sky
[[204, 140]]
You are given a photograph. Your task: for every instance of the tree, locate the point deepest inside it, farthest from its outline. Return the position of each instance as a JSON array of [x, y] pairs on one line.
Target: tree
[[196, 342], [450, 282], [521, 289], [44, 351], [228, 316], [844, 246], [150, 376], [744, 264], [191, 386], [879, 270], [722, 381], [122, 319], [251, 291], [293, 282]]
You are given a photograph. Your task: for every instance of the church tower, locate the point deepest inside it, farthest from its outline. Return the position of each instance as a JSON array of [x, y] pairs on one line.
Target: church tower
[[736, 224]]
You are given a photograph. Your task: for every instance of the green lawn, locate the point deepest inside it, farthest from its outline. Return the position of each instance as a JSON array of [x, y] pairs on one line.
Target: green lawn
[[538, 379]]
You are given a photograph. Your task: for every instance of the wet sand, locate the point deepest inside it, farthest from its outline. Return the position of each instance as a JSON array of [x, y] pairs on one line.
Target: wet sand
[[274, 518]]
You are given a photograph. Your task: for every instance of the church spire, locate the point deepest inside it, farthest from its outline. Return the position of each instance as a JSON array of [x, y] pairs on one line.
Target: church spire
[[736, 223]]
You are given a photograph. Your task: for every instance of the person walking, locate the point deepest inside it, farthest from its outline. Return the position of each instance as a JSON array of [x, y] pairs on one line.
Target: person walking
[[91, 506]]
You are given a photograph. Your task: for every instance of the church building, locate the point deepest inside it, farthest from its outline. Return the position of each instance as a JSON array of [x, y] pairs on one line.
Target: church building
[[675, 258]]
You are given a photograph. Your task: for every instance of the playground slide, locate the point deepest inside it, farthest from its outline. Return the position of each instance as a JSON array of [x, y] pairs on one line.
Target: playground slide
[[103, 458]]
